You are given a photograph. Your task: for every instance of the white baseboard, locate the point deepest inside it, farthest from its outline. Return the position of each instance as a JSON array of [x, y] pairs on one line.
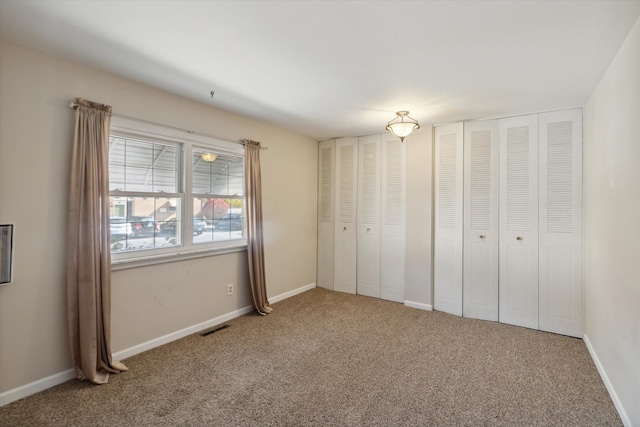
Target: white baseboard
[[132, 351], [289, 294], [607, 383], [419, 305], [173, 336], [157, 342], [36, 386], [61, 377]]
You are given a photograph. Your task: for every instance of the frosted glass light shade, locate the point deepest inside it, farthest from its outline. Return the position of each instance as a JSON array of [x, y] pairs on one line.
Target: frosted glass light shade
[[208, 157], [402, 129], [403, 125]]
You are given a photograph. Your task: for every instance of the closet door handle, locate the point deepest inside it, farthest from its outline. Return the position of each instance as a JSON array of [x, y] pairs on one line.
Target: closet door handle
[[518, 238], [344, 228], [482, 236], [368, 230]]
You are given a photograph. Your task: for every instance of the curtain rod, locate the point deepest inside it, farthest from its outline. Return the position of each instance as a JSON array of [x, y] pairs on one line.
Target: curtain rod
[[190, 132]]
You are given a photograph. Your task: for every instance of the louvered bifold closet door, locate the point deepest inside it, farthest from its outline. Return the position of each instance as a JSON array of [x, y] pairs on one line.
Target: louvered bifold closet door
[[561, 222], [392, 225], [369, 216], [448, 186], [326, 225], [518, 268], [344, 261], [480, 261]]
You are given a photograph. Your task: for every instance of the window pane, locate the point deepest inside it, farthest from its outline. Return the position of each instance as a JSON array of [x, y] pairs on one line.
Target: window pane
[[236, 177], [138, 223], [220, 219], [230, 225], [219, 174], [116, 163], [136, 165], [205, 210], [204, 164], [201, 184], [165, 161], [116, 177], [220, 179], [116, 150]]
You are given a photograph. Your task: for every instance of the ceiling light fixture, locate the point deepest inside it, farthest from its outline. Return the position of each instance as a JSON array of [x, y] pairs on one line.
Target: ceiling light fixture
[[401, 128], [208, 157]]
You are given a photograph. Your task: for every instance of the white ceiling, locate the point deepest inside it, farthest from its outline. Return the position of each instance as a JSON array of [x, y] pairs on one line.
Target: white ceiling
[[340, 68]]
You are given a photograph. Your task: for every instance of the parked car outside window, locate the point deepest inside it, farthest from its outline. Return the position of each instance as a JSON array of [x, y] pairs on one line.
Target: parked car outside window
[[119, 228], [142, 226], [169, 227], [229, 221], [199, 226]]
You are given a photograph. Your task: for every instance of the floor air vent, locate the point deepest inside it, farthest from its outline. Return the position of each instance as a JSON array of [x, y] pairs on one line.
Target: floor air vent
[[213, 330]]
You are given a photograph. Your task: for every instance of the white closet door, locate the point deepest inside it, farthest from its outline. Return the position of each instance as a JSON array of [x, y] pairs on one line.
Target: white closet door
[[392, 226], [369, 216], [447, 292], [480, 271], [519, 221], [326, 225], [344, 260], [561, 222]]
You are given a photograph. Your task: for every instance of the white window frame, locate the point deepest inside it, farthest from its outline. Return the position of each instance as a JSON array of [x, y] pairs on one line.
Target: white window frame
[[186, 142]]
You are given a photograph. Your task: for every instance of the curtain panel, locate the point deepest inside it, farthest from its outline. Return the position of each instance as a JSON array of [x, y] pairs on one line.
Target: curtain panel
[[255, 244], [88, 246]]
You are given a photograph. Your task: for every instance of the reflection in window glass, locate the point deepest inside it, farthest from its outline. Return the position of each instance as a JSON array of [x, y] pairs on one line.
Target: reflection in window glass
[[142, 166]]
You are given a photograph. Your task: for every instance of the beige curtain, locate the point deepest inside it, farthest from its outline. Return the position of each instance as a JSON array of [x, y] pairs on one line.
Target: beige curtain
[[255, 249], [88, 250]]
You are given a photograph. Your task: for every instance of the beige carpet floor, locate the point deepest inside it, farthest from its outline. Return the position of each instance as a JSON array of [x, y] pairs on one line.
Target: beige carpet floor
[[331, 359]]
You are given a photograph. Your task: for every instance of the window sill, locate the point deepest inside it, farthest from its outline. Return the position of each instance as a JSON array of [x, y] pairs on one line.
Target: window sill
[[124, 264]]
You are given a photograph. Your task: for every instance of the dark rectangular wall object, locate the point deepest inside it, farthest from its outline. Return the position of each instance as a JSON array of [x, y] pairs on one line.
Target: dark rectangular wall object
[[6, 252]]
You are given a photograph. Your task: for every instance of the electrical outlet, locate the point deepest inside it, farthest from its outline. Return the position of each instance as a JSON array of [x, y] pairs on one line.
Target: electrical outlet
[[230, 289]]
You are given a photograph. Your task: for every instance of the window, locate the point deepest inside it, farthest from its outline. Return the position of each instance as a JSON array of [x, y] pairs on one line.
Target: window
[[171, 195]]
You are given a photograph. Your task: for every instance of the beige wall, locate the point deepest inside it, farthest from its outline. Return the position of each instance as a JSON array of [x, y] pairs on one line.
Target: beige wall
[[36, 128], [612, 223]]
